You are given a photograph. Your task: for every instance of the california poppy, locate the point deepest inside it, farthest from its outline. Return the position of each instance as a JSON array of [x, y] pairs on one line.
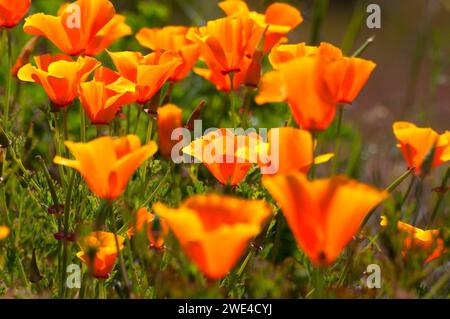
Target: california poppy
[[11, 12], [214, 230], [419, 144], [4, 232], [82, 27], [322, 214], [227, 156], [156, 228], [59, 75], [313, 80], [107, 163], [300, 82], [171, 38], [169, 119], [279, 19], [344, 76], [103, 97], [288, 150], [99, 252], [149, 72], [225, 42], [416, 238]]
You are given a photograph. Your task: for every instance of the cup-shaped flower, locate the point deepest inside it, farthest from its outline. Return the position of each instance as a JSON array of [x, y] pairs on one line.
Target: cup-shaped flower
[[169, 119], [99, 252], [323, 215], [11, 12], [106, 163], [171, 38], [279, 19], [292, 148], [345, 76], [59, 75], [81, 27], [226, 155], [149, 72], [428, 241], [225, 42], [155, 227], [313, 80], [103, 97], [422, 146], [4, 232], [214, 230]]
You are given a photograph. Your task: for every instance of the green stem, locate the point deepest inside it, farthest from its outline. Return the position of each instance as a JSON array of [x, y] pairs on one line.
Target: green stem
[[362, 48], [232, 101], [65, 132], [8, 83], [338, 139], [443, 190], [82, 124], [319, 12], [313, 164], [67, 205], [101, 289], [161, 183]]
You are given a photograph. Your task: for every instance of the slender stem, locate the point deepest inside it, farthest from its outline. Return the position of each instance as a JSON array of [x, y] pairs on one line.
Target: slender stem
[[440, 194], [138, 117], [168, 97], [398, 180], [82, 124], [362, 48], [67, 205], [65, 132], [101, 289], [58, 146], [338, 139], [128, 119], [8, 83], [161, 183], [408, 191]]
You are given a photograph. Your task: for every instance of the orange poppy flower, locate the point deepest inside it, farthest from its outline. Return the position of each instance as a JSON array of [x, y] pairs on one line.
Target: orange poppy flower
[[323, 214], [344, 76], [4, 232], [99, 252], [169, 119], [149, 72], [82, 27], [417, 144], [225, 42], [416, 238], [171, 38], [107, 163], [291, 148], [103, 97], [227, 156], [279, 19], [300, 82], [214, 230], [59, 75], [11, 12], [156, 228]]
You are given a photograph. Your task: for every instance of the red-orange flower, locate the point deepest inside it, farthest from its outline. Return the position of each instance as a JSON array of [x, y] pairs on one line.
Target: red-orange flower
[[416, 238], [279, 19], [24, 55], [171, 38], [82, 27], [59, 76], [11, 12], [107, 163], [214, 230], [227, 156], [418, 144], [103, 97], [155, 227], [225, 42], [99, 252], [149, 72], [169, 119], [323, 214], [313, 80]]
